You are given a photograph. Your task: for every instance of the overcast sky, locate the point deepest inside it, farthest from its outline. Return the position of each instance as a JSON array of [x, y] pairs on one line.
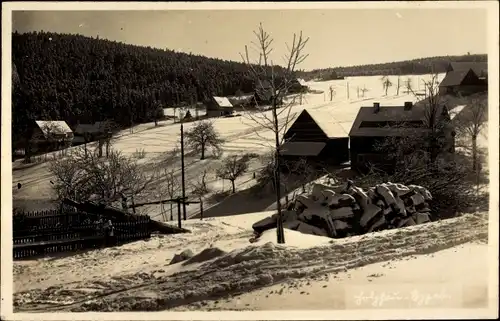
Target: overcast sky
[[338, 37]]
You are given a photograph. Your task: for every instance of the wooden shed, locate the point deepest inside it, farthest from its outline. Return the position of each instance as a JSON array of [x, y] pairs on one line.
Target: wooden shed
[[218, 106], [318, 137], [463, 82]]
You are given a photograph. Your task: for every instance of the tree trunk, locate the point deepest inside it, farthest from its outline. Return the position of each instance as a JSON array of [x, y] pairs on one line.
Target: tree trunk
[[100, 145], [279, 231], [171, 211], [232, 184], [202, 152], [474, 152], [27, 152]]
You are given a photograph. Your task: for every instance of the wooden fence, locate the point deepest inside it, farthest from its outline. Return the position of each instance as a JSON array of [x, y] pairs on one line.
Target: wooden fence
[[38, 233]]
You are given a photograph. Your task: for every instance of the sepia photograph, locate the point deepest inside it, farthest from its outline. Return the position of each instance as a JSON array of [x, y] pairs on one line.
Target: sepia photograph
[[250, 157]]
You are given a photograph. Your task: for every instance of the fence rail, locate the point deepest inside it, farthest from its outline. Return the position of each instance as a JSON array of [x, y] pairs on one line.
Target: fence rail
[[38, 233]]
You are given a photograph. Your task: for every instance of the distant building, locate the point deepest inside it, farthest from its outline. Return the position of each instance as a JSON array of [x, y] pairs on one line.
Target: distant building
[[462, 82], [51, 135], [85, 133], [297, 86], [374, 124], [264, 94], [479, 68], [317, 137], [218, 106]]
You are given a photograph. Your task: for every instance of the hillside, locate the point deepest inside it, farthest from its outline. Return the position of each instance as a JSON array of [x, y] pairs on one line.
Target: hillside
[[408, 67], [72, 77]]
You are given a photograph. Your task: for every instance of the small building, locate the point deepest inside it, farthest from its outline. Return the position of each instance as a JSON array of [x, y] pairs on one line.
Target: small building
[[375, 124], [462, 82], [85, 133], [218, 106], [297, 86], [317, 137], [49, 135], [479, 68], [264, 94]]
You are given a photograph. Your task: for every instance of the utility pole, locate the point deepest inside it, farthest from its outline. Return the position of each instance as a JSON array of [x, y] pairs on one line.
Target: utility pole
[[183, 172]]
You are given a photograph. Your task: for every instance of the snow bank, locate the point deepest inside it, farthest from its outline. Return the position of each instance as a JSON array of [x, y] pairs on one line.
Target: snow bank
[[250, 267]]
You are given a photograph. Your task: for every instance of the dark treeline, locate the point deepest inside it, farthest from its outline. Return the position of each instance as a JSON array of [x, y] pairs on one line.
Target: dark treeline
[[408, 67], [81, 79]]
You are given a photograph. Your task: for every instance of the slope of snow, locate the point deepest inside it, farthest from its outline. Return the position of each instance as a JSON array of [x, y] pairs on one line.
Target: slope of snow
[[137, 276], [241, 134]]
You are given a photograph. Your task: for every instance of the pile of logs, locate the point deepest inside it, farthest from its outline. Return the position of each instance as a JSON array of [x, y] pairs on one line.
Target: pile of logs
[[338, 211]]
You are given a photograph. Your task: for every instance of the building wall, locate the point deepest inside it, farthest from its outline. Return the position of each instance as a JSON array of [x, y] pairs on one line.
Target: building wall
[[304, 129], [364, 146], [336, 151]]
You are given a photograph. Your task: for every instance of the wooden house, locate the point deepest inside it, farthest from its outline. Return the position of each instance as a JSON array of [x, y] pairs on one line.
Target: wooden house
[[49, 135], [317, 137], [479, 68], [85, 133], [265, 93], [218, 106], [375, 124], [464, 82]]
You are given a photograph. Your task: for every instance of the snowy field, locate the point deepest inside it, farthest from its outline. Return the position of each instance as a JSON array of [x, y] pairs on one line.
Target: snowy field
[[242, 135], [228, 272]]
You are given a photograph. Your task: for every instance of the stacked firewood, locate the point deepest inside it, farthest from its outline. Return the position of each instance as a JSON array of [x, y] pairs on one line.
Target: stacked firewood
[[338, 211]]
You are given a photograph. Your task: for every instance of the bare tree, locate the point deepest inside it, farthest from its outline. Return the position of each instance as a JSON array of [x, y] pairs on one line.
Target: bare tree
[[85, 176], [265, 70], [232, 167], [398, 86], [386, 83], [470, 122], [332, 92], [172, 187], [364, 90], [157, 113], [408, 85], [203, 136]]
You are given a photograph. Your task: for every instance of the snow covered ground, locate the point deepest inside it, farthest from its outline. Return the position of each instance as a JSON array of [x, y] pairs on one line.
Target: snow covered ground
[[233, 273], [242, 135], [229, 272]]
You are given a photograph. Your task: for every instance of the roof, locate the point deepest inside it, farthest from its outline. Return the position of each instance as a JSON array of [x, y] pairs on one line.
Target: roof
[[86, 128], [53, 126], [479, 68], [223, 102], [327, 122], [302, 148], [454, 78], [388, 113], [92, 128]]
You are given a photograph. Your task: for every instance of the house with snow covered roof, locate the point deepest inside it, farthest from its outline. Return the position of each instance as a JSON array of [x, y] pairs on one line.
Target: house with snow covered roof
[[318, 137], [465, 78], [218, 106], [375, 124], [50, 135]]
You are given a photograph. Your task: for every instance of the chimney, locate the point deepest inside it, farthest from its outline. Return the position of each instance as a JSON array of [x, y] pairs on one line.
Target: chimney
[[408, 105], [376, 107]]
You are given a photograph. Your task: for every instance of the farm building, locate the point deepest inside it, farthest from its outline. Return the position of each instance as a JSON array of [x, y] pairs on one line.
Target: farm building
[[218, 106], [297, 86], [374, 124], [317, 137], [264, 94], [463, 82], [90, 132], [479, 68], [51, 135]]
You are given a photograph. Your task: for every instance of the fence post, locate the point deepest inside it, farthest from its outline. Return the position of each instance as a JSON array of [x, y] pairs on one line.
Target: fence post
[[179, 212], [201, 209]]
